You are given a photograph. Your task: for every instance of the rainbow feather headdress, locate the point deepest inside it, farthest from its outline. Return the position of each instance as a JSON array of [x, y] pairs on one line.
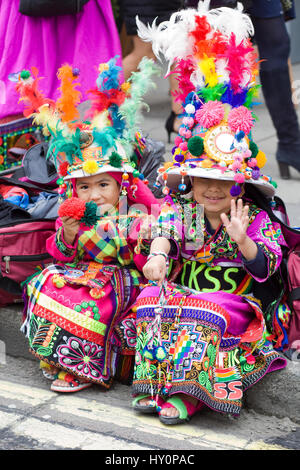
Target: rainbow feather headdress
[[216, 68], [108, 139]]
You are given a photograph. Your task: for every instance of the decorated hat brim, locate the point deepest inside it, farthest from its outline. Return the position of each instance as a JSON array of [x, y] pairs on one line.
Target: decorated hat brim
[[175, 178], [80, 173]]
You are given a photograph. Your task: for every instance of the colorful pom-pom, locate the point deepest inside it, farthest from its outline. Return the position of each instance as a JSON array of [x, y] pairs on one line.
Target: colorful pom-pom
[[183, 146], [236, 165], [63, 169], [25, 74], [196, 146], [255, 173], [90, 216], [261, 159], [240, 119], [75, 71], [73, 207], [179, 158], [115, 160], [253, 148], [178, 140], [190, 108], [239, 178], [210, 114], [90, 167], [252, 162], [235, 190]]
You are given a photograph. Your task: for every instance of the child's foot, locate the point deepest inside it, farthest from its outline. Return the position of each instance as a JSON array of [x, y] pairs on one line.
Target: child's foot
[[179, 409], [49, 372], [68, 383], [146, 404]]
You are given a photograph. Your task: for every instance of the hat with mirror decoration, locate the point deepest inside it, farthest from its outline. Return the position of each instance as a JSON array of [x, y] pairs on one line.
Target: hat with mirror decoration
[[216, 67]]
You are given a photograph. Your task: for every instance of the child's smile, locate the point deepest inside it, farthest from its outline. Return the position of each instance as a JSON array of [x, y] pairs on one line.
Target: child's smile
[[214, 195]]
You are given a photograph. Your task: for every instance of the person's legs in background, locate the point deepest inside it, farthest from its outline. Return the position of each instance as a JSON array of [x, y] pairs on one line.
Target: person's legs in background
[[273, 44], [135, 48]]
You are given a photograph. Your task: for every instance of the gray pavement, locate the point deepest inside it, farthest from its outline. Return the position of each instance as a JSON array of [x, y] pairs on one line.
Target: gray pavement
[[33, 417]]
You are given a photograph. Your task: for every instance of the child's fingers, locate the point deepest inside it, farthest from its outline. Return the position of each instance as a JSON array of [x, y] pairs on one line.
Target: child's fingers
[[245, 211], [233, 208], [224, 219], [245, 223], [239, 208], [155, 271]]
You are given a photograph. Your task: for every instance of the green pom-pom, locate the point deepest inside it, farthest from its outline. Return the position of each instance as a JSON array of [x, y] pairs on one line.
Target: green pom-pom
[[25, 74], [196, 146], [254, 149], [274, 184], [115, 160], [90, 217]]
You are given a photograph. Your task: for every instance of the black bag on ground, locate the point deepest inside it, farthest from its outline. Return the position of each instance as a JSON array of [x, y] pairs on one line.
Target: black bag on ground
[[23, 236], [151, 159]]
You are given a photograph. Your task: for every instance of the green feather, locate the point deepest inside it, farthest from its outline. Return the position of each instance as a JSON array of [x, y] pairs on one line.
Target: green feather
[[213, 93]]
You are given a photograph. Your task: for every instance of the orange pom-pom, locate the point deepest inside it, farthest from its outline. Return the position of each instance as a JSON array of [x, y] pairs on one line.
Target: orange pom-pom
[[72, 207]]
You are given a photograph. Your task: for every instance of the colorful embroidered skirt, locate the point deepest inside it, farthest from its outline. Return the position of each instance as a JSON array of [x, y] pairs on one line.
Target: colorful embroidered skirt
[[80, 319], [202, 347]]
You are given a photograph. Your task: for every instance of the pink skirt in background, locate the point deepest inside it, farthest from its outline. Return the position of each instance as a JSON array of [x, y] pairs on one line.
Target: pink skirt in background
[[83, 40]]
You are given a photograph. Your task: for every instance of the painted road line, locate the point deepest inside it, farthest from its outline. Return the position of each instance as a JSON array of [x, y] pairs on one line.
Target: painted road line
[[126, 418], [33, 396], [8, 419], [67, 438], [195, 434]]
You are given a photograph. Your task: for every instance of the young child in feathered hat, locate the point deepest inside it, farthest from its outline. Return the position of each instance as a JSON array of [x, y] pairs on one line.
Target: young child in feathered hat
[[202, 341], [79, 309]]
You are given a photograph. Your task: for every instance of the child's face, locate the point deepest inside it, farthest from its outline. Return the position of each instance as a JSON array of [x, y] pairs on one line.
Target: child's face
[[213, 194], [102, 189]]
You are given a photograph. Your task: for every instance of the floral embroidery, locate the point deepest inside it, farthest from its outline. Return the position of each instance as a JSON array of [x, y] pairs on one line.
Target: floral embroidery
[[84, 357]]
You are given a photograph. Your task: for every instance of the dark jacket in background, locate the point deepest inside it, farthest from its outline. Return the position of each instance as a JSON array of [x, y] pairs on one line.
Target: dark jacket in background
[[147, 11]]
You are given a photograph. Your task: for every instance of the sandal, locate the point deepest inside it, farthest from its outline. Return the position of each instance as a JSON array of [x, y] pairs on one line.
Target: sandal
[[184, 407], [74, 384], [46, 371], [149, 409]]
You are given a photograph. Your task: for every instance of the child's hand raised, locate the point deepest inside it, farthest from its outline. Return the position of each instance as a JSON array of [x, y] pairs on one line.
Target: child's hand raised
[[156, 269], [237, 225], [71, 228]]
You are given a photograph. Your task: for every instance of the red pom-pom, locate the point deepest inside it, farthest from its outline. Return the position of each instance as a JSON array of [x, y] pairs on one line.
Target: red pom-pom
[[72, 207], [63, 169]]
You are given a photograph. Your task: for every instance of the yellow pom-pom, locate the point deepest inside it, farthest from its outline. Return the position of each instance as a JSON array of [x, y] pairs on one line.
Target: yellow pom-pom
[[261, 159], [90, 166]]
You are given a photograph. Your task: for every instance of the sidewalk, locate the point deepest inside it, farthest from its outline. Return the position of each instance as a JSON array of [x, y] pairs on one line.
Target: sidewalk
[[279, 393]]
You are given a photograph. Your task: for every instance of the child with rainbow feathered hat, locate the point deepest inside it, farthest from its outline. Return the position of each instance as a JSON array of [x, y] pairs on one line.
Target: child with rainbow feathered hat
[[202, 338], [78, 315]]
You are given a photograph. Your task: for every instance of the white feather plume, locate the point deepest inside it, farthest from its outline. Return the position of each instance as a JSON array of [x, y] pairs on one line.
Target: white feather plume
[[232, 20]]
